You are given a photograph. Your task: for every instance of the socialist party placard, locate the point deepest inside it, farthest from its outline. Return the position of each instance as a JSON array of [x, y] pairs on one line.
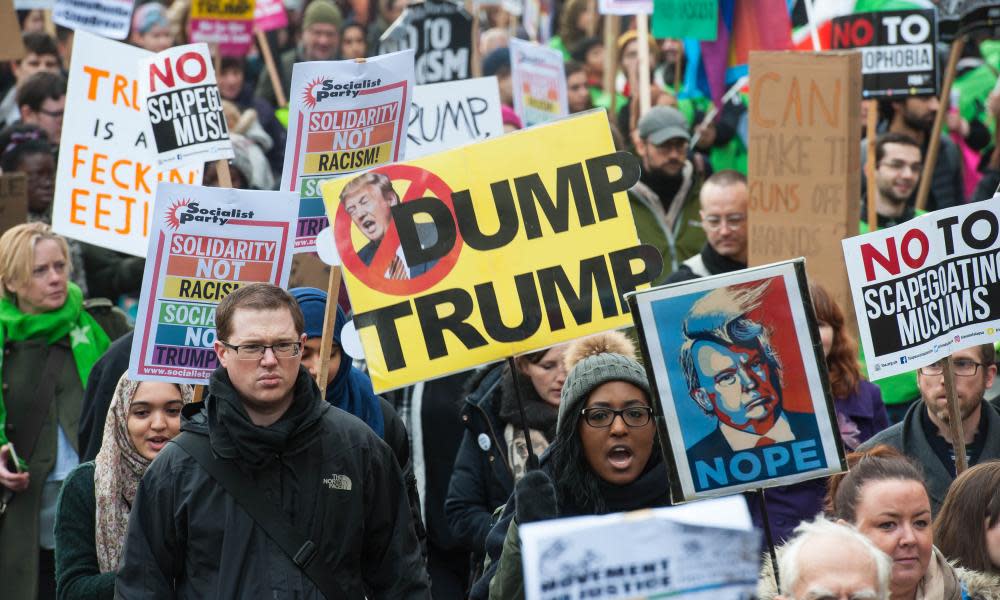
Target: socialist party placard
[[185, 108], [927, 288], [440, 31], [206, 242], [538, 79], [344, 117], [897, 50]]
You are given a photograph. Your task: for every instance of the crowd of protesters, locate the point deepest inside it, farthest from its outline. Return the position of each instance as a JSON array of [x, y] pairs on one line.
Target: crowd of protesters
[[421, 493]]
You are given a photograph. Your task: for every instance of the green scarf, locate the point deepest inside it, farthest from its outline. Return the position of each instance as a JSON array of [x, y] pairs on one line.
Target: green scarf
[[87, 340]]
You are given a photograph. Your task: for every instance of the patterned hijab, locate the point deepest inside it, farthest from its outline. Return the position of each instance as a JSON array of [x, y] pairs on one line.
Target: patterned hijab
[[118, 469]]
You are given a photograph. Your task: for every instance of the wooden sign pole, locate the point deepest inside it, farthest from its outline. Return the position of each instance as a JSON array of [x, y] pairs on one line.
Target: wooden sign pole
[[642, 28], [610, 58], [955, 420], [871, 124], [272, 69], [930, 160]]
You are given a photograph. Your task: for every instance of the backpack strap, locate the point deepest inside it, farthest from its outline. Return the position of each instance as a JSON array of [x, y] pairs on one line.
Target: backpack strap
[[275, 523]]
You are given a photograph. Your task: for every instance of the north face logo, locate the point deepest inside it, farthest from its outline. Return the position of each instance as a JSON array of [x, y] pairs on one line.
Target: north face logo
[[338, 482]]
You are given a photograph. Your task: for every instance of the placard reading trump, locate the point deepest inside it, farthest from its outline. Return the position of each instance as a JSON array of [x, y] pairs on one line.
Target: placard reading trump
[[740, 379]]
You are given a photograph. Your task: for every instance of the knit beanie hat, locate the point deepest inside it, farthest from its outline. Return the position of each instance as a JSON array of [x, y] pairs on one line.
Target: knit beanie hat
[[322, 11], [593, 361], [312, 302], [149, 15]]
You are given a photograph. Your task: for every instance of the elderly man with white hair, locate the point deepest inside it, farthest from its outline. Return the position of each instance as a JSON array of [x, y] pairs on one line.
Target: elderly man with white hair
[[829, 561]]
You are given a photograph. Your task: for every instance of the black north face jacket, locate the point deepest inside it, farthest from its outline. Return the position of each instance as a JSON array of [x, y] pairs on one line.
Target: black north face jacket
[[188, 538]]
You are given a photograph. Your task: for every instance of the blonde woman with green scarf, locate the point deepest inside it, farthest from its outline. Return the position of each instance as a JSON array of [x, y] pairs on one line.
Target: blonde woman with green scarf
[[51, 339]]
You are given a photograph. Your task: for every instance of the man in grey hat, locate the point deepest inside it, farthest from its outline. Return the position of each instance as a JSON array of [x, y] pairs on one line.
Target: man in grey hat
[[665, 201]]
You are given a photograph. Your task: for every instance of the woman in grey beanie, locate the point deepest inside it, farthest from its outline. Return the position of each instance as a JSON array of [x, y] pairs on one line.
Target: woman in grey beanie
[[604, 458]]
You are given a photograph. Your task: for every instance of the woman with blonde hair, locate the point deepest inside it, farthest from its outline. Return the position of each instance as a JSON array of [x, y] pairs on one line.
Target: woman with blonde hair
[[51, 340]]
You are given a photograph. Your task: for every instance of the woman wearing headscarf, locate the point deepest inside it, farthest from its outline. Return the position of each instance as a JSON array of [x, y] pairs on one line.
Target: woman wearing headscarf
[[51, 340], [151, 27], [94, 504]]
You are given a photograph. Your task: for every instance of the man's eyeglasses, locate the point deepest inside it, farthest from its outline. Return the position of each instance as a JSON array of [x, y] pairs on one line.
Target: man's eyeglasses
[[713, 222], [256, 351], [55, 114], [898, 165], [962, 367], [633, 416]]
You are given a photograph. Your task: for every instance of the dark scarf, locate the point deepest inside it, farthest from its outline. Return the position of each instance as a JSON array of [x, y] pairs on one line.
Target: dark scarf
[[650, 490], [235, 436], [351, 390], [541, 415], [664, 186], [717, 263]]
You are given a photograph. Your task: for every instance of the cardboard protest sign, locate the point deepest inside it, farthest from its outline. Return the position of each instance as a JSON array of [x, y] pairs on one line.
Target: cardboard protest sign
[[538, 78], [440, 32], [13, 200], [345, 117], [737, 368], [269, 15], [623, 555], [107, 173], [897, 50], [482, 242], [11, 46], [108, 18], [228, 23], [804, 162], [927, 288], [185, 108], [697, 19], [448, 115], [625, 7], [206, 243]]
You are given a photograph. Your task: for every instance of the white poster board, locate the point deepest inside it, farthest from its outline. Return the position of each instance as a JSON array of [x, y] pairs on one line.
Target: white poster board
[[108, 18], [344, 117], [107, 174], [206, 243], [926, 288], [538, 78], [448, 115]]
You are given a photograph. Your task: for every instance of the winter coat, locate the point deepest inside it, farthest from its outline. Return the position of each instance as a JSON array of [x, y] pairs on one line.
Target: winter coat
[[705, 263], [481, 480], [330, 474], [79, 575], [909, 438], [961, 584], [22, 365]]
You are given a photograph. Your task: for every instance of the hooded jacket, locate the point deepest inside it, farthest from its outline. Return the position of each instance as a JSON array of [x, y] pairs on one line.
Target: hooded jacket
[[330, 474]]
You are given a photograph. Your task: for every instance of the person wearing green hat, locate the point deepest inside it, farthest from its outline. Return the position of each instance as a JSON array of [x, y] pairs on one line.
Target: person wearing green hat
[[320, 41]]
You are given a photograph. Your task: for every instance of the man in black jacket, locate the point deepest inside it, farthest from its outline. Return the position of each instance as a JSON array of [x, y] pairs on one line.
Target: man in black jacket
[[321, 468], [723, 199]]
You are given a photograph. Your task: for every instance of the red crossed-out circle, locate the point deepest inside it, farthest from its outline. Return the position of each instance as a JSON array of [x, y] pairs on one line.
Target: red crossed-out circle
[[421, 182]]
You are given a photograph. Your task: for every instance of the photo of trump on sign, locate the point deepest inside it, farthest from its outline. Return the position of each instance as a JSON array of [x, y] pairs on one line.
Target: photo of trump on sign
[[740, 380]]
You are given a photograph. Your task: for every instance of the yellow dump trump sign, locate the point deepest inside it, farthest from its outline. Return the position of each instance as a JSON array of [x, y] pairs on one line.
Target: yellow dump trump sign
[[490, 250]]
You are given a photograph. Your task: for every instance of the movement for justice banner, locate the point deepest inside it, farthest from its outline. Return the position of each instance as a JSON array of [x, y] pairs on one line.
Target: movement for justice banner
[[927, 288], [739, 377], [206, 243], [490, 250], [107, 173], [344, 116], [182, 98]]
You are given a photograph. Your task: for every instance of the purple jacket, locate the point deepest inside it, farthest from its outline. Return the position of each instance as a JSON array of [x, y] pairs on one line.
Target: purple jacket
[[860, 416]]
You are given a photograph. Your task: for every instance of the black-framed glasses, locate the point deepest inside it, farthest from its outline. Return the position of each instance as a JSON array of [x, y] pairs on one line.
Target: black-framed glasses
[[256, 351], [962, 367], [633, 416]]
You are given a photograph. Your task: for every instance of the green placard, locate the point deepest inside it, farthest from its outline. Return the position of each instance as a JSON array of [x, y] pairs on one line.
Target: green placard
[[698, 19]]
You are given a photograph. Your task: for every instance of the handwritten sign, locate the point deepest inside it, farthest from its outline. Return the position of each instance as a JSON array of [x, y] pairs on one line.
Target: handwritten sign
[[538, 78], [345, 117], [185, 107], [107, 173], [206, 243], [805, 160], [11, 46], [13, 200], [448, 115], [108, 18]]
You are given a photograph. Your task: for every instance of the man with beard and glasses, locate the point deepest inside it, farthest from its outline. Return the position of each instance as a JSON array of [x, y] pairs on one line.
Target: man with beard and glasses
[[665, 200], [914, 117]]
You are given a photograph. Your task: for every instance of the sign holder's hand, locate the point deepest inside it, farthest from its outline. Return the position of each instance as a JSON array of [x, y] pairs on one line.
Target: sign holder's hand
[[12, 480]]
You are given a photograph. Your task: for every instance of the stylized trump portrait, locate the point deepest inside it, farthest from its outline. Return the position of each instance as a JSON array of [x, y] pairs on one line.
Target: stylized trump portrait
[[368, 200], [740, 384]]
